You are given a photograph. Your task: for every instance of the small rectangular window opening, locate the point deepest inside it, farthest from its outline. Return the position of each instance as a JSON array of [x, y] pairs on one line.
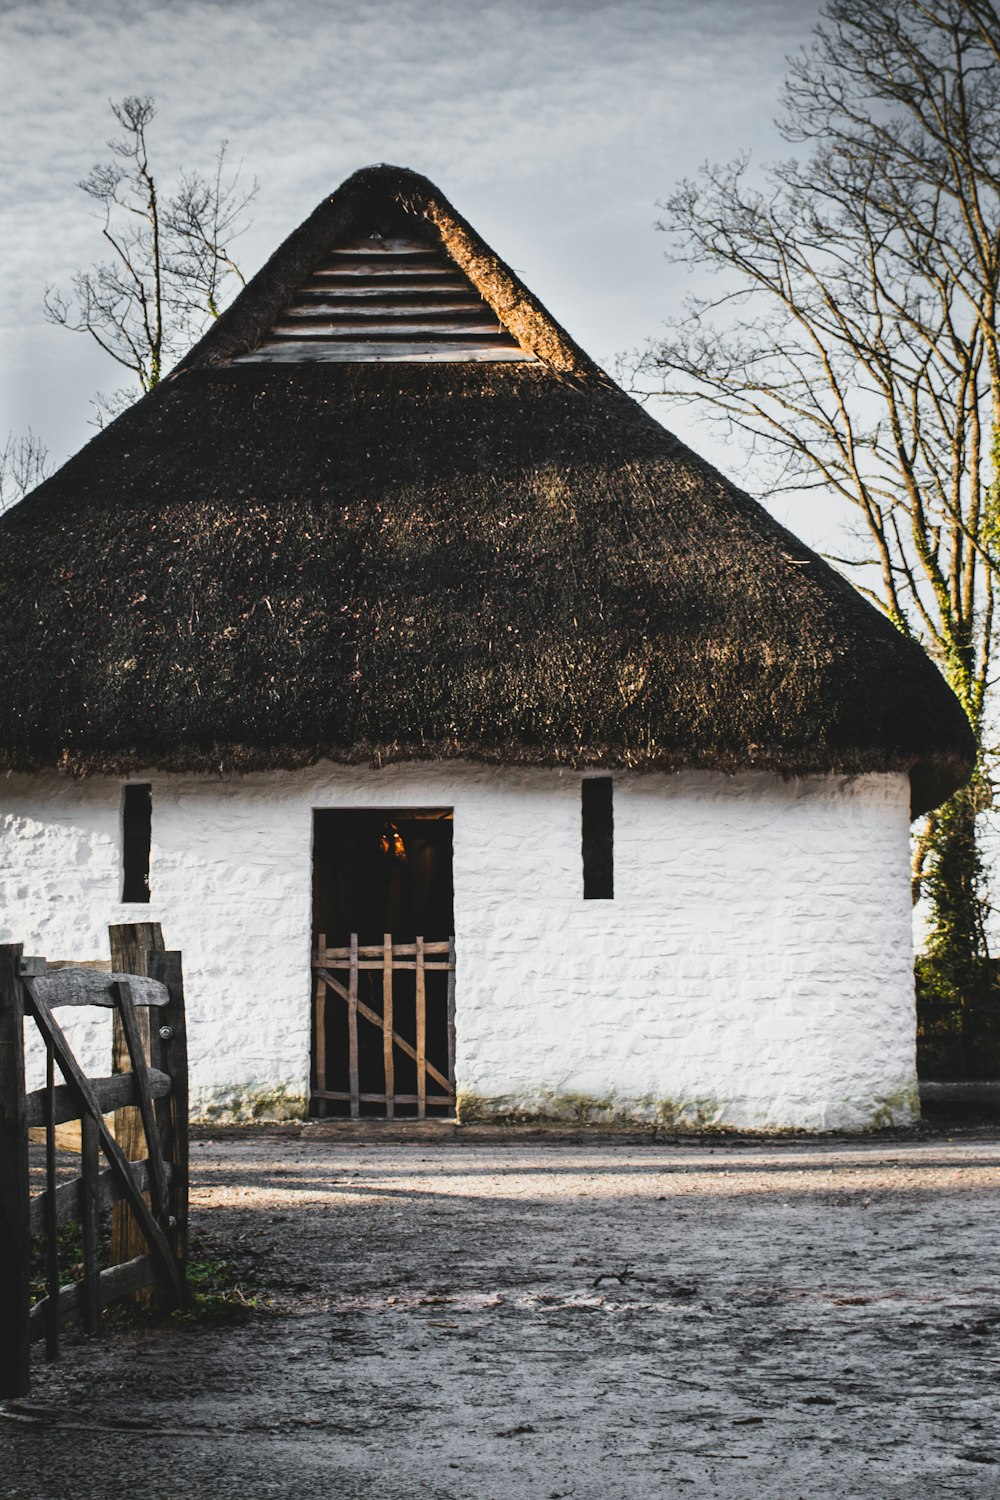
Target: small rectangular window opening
[[598, 839], [137, 830]]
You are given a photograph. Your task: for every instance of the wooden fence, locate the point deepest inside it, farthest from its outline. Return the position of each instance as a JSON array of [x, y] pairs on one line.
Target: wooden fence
[[152, 1085], [421, 958]]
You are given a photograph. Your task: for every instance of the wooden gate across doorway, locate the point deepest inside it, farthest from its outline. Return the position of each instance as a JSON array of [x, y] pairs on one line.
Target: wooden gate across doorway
[[337, 973]]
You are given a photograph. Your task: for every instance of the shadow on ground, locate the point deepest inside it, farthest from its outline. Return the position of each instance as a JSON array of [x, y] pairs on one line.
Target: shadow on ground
[[503, 1319]]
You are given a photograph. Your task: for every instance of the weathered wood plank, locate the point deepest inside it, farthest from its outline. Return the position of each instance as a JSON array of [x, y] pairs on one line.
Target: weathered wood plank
[[51, 1243], [320, 1031], [90, 1203], [116, 1282], [399, 1098], [111, 1094], [91, 987], [451, 1013], [291, 352], [393, 322], [116, 1159], [382, 328], [421, 1032], [368, 309], [376, 951], [168, 1048], [362, 299], [15, 1233], [372, 263], [67, 1136], [144, 1101], [69, 1195], [390, 245], [376, 1020], [352, 1027], [29, 968], [402, 963], [345, 994], [389, 276], [387, 1024], [99, 965], [131, 944]]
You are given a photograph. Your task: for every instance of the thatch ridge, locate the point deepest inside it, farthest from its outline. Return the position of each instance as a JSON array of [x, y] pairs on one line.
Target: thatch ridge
[[386, 197]]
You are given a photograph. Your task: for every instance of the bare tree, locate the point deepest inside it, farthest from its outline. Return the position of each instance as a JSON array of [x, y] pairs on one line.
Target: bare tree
[[24, 462], [170, 257], [853, 348]]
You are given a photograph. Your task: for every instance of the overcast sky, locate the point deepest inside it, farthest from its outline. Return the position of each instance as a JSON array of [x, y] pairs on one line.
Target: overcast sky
[[553, 125]]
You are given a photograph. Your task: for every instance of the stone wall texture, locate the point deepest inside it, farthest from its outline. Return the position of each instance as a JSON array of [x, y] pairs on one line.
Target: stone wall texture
[[754, 968]]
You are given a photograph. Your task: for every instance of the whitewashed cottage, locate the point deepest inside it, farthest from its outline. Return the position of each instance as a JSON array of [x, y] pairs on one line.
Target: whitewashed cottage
[[388, 613]]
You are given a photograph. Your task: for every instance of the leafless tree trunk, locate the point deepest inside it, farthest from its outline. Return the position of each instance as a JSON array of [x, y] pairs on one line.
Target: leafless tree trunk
[[168, 262], [853, 345]]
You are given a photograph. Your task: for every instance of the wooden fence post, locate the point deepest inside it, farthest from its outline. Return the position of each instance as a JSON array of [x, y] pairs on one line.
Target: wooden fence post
[[168, 1051], [131, 944], [15, 1231]]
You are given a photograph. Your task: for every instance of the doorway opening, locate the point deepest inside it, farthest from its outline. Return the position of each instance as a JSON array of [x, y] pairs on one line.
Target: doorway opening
[[383, 963]]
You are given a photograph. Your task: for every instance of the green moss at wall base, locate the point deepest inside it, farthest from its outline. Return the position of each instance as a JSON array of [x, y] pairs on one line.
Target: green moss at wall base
[[888, 1111], [551, 1107], [276, 1103], [247, 1106], [899, 1108]]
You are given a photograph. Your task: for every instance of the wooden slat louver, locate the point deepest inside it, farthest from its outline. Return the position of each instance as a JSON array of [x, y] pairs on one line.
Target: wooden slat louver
[[387, 299]]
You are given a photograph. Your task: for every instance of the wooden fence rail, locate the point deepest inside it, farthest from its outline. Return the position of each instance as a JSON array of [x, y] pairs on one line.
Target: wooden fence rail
[[419, 958], [153, 1188]]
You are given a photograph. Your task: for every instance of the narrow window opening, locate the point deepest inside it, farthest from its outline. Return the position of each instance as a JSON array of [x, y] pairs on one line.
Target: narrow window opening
[[137, 831], [598, 839]]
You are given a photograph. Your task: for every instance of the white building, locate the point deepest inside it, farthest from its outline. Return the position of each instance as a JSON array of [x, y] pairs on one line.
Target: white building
[[388, 613]]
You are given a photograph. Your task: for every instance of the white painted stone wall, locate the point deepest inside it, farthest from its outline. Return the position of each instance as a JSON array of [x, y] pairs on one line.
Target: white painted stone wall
[[753, 969]]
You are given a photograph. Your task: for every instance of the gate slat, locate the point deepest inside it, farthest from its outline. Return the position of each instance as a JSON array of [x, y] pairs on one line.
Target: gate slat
[[421, 1033], [111, 1093], [116, 1282], [408, 950], [352, 1029], [15, 1234], [376, 1020], [51, 1243], [117, 1159], [388, 957], [90, 1195], [451, 1011], [69, 1204], [321, 1033], [380, 1098], [131, 945], [122, 992], [387, 1027], [168, 1049]]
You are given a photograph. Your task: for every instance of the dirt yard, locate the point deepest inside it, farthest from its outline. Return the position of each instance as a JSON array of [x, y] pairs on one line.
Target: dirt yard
[[496, 1320]]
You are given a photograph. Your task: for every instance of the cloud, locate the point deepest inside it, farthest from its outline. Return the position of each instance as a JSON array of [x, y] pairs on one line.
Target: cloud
[[553, 126]]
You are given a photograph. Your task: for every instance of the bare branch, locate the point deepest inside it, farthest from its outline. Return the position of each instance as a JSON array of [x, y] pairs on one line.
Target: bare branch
[[171, 259], [24, 463]]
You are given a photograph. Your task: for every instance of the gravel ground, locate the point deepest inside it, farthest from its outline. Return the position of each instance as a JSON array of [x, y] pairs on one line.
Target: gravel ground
[[492, 1319]]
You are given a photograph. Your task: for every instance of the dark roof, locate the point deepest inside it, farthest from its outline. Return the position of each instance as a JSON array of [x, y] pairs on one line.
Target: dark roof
[[259, 565]]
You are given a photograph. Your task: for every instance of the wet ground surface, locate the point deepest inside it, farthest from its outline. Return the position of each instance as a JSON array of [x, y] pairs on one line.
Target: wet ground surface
[[491, 1319]]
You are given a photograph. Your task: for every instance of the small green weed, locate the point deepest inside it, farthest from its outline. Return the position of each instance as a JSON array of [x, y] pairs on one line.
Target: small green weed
[[220, 1292], [69, 1248]]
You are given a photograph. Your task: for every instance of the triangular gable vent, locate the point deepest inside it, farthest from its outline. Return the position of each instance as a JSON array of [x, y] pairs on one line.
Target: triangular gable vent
[[387, 299]]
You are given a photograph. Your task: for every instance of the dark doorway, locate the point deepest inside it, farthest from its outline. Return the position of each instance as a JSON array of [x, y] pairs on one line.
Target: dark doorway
[[383, 962]]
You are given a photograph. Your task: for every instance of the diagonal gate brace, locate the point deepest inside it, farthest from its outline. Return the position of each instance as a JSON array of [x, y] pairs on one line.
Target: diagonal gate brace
[[118, 1162]]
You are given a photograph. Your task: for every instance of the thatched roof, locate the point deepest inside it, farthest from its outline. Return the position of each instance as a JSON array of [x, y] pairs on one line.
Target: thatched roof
[[259, 565]]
